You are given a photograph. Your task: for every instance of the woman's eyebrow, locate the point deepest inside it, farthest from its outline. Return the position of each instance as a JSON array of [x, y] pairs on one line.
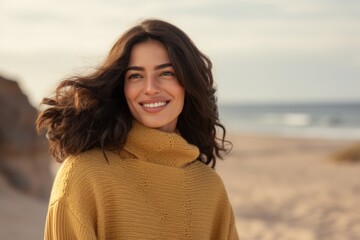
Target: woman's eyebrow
[[161, 66], [137, 68]]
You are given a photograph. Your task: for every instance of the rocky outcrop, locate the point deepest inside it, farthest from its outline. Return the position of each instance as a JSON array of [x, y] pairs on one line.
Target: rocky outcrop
[[24, 158]]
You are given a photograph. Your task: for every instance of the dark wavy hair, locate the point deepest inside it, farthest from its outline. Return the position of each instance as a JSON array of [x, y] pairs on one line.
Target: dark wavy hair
[[91, 111]]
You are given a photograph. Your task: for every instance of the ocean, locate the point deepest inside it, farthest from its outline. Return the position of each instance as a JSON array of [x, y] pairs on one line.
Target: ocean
[[311, 120]]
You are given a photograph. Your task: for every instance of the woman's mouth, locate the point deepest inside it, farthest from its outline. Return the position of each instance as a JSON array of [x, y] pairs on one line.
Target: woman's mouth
[[154, 105]]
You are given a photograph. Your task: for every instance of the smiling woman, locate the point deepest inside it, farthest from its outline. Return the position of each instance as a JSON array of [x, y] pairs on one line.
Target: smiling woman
[[154, 95], [135, 138]]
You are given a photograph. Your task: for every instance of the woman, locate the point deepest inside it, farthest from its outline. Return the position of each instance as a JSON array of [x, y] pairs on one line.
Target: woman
[[135, 138]]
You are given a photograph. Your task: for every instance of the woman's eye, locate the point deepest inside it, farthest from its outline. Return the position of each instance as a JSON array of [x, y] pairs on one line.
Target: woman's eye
[[134, 76], [168, 74]]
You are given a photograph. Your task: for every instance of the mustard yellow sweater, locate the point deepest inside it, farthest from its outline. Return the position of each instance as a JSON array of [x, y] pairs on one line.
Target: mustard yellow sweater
[[152, 189]]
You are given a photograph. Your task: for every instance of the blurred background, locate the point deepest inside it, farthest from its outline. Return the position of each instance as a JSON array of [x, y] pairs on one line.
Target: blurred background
[[288, 79]]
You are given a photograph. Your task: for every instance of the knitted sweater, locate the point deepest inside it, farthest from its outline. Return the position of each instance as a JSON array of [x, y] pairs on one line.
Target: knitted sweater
[[152, 189]]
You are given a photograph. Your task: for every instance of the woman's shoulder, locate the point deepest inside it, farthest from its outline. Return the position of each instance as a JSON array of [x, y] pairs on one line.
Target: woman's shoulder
[[204, 179], [204, 172], [93, 159], [82, 170], [88, 160]]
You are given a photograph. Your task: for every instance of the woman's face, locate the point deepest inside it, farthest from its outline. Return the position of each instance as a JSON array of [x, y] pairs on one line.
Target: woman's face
[[153, 93]]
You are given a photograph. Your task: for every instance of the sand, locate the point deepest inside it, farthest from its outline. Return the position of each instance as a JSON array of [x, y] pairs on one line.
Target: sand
[[280, 188], [21, 216], [283, 188]]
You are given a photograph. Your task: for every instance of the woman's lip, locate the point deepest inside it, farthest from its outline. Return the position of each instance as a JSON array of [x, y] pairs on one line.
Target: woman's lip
[[154, 106]]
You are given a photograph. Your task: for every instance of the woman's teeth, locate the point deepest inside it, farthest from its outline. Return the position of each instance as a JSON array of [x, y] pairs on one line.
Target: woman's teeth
[[154, 105]]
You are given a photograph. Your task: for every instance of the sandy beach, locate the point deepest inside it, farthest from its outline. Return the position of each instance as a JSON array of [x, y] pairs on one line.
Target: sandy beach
[[287, 188], [280, 188]]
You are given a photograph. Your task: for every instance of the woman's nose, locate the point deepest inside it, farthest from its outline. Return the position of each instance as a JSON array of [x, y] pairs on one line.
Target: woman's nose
[[152, 86]]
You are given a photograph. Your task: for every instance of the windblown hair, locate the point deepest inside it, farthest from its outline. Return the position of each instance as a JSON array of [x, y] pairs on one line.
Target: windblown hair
[[91, 111]]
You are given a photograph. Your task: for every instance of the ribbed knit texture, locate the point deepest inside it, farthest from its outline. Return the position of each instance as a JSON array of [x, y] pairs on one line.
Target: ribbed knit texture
[[153, 189]]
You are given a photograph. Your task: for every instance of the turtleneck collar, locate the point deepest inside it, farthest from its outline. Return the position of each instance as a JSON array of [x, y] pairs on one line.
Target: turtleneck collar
[[153, 145]]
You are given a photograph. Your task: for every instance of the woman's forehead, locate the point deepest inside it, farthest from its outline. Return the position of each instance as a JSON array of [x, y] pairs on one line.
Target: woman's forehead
[[149, 53]]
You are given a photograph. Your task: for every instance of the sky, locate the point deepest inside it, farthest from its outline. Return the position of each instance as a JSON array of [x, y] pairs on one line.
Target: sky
[[262, 50]]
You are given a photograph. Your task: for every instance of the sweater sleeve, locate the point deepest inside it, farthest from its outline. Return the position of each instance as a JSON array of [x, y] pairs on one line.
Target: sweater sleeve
[[61, 223], [225, 226], [233, 234], [71, 213]]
